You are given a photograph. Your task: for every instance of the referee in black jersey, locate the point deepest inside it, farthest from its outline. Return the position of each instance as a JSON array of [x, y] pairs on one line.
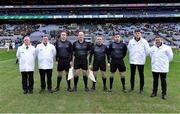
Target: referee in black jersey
[[117, 50], [99, 51], [81, 49], [63, 58]]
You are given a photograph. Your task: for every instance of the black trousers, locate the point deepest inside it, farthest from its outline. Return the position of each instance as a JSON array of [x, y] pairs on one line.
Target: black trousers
[[163, 82], [141, 75], [27, 80], [43, 73]]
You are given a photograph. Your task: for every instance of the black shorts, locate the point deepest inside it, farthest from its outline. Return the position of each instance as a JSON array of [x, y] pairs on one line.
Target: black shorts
[[99, 65], [63, 64], [116, 64], [80, 64]]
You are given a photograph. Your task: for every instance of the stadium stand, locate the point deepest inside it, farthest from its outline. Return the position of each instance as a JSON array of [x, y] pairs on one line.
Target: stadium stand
[[66, 12], [169, 31]]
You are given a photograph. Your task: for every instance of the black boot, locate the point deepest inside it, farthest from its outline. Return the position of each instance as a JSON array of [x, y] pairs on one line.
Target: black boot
[[76, 78], [59, 78], [163, 96], [85, 78], [123, 84], [68, 84], [153, 95], [111, 79], [94, 85], [104, 84]]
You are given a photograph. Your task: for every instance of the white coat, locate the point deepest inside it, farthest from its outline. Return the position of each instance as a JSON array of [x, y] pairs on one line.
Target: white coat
[[160, 58], [138, 50], [45, 55], [26, 58]]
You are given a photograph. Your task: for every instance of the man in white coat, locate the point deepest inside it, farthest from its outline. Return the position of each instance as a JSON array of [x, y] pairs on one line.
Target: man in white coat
[[26, 56], [138, 50], [161, 55], [45, 53]]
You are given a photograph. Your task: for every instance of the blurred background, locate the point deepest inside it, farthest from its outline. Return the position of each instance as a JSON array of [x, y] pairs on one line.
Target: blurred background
[[95, 17]]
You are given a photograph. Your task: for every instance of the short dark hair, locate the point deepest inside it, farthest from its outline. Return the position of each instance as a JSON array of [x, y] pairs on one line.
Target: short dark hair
[[117, 33], [45, 35], [137, 30], [25, 37], [157, 36], [59, 33]]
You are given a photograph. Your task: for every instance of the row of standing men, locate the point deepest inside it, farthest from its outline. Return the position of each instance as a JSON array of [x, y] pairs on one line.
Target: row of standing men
[[64, 51]]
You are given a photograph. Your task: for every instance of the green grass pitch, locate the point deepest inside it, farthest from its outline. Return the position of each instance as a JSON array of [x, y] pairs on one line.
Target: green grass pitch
[[12, 100]]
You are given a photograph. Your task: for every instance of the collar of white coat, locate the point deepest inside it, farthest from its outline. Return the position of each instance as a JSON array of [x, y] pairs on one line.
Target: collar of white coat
[[139, 40], [160, 45], [44, 45], [24, 46]]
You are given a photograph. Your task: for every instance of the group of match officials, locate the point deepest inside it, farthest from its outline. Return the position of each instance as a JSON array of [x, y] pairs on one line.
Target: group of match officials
[[75, 55]]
